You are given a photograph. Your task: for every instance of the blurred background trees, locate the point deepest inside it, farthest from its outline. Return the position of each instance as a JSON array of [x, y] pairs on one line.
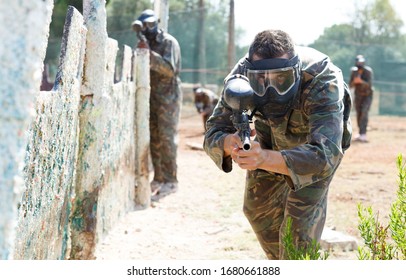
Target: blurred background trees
[[184, 16], [374, 31]]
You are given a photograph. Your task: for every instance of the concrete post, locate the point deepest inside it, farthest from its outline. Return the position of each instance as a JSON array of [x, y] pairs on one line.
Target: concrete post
[[92, 120], [143, 190], [161, 9], [51, 155]]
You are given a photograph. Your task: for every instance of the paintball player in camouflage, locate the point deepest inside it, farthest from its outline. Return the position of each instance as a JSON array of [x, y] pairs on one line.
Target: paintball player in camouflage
[[205, 100], [361, 82], [302, 128], [165, 103]]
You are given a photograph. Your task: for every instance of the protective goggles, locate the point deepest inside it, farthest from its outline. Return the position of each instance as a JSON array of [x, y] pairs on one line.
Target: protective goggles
[[147, 24], [262, 76], [281, 80]]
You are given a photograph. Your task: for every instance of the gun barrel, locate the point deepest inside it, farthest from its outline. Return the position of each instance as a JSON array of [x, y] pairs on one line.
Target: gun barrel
[[246, 145], [241, 124]]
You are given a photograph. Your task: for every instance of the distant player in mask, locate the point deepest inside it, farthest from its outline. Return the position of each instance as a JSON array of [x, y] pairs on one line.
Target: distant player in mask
[[300, 111], [165, 101], [205, 100], [361, 81]]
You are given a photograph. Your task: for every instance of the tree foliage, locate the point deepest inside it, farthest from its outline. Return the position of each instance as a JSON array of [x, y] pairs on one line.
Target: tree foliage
[[59, 13], [376, 22], [182, 24], [375, 32], [56, 30]]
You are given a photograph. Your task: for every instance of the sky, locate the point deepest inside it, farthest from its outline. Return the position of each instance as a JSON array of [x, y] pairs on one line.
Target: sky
[[304, 20]]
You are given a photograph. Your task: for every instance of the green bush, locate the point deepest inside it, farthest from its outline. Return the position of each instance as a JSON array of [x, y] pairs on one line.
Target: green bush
[[385, 242]]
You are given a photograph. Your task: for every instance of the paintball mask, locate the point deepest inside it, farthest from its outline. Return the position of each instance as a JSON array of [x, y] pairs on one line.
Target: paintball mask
[[199, 99], [359, 61], [139, 26], [274, 80], [147, 24]]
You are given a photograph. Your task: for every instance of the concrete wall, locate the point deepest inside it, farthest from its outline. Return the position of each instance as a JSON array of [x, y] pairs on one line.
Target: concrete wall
[[23, 38], [80, 169]]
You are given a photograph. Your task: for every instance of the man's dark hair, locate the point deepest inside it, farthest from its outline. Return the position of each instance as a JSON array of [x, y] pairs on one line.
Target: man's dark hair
[[272, 44]]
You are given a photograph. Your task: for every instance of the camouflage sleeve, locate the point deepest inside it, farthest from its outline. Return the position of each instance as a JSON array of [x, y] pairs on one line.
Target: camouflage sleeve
[[169, 63], [219, 126], [347, 129], [319, 157], [158, 64], [172, 53]]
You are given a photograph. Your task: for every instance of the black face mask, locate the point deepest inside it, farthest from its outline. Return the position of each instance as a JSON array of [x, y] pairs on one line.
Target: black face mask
[[276, 82], [271, 105], [150, 33], [150, 28]]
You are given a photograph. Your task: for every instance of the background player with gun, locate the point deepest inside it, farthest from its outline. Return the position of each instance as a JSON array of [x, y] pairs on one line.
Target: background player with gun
[[361, 82], [205, 100]]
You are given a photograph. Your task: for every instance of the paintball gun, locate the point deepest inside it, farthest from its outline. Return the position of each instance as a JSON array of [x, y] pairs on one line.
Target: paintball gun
[[239, 96], [137, 27]]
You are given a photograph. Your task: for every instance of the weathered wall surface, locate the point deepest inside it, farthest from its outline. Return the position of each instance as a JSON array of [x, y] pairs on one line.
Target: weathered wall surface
[[142, 194], [80, 168], [23, 38], [51, 157]]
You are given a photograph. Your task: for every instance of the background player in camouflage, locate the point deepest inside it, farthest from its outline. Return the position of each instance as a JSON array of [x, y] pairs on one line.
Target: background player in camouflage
[[361, 81], [165, 103], [205, 100], [301, 112]]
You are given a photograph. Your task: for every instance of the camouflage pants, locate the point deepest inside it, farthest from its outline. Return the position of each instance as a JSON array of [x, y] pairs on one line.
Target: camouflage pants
[[269, 201], [362, 105], [163, 124]]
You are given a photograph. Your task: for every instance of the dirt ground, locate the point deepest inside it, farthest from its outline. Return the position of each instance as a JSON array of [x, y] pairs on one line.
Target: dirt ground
[[204, 219]]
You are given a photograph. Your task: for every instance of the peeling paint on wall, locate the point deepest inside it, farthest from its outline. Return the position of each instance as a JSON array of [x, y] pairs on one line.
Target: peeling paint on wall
[[80, 165], [22, 51], [50, 164]]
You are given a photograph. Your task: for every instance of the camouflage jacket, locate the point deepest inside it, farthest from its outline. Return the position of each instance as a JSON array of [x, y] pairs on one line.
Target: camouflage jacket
[[311, 136], [165, 67]]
